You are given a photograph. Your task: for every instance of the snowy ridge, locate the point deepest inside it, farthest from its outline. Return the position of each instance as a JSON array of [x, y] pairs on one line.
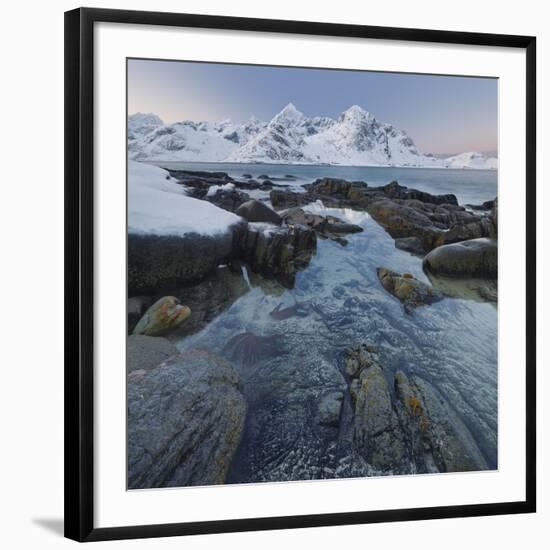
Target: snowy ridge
[[355, 138]]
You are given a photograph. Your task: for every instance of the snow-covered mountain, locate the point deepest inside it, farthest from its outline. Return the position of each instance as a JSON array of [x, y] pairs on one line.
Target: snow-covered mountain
[[290, 137], [471, 160]]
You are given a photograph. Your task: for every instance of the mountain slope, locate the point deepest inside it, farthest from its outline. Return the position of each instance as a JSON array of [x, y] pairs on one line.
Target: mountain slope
[[290, 137]]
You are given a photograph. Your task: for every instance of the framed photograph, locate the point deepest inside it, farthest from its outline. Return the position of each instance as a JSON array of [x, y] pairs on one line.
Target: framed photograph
[[300, 274]]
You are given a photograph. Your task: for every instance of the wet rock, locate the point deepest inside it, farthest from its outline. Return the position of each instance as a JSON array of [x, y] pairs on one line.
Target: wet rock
[[248, 348], [404, 220], [338, 188], [414, 245], [257, 211], [411, 292], [157, 262], [326, 227], [208, 298], [473, 230], [286, 437], [396, 191], [487, 205], [278, 252], [494, 216], [412, 430], [163, 316], [287, 199], [377, 436], [472, 258], [466, 288], [137, 305], [147, 352], [228, 199], [330, 407], [185, 420], [211, 177], [432, 220], [439, 440]]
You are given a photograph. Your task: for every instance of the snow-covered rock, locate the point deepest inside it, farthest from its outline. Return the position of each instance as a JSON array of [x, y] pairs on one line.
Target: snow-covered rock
[[173, 238], [290, 137], [159, 206]]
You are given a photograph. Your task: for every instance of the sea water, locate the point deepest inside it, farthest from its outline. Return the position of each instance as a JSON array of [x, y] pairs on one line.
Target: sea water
[[452, 344], [469, 186]]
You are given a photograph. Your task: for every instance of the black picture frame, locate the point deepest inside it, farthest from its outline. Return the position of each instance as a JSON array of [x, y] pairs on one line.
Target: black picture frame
[[79, 269]]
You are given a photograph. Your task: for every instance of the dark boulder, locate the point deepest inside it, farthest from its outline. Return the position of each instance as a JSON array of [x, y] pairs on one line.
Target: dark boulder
[[287, 199], [156, 262], [185, 420], [213, 177], [396, 191], [228, 199], [494, 216], [404, 221], [278, 252], [472, 258], [257, 211]]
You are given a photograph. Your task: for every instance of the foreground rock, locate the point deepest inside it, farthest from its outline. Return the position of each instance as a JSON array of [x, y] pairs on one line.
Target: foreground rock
[[143, 353], [411, 292], [412, 431], [437, 438], [256, 211], [471, 258], [137, 306], [377, 433], [156, 262], [185, 420], [278, 252], [162, 317], [326, 227]]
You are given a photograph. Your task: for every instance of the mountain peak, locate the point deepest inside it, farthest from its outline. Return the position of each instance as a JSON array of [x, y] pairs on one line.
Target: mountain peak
[[355, 113], [356, 138], [290, 108], [288, 115], [145, 118]]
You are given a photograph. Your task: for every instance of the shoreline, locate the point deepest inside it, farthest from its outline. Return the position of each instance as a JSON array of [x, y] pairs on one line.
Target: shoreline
[[253, 328], [156, 162]]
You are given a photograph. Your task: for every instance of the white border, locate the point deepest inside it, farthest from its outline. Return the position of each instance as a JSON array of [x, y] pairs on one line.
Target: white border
[[114, 506]]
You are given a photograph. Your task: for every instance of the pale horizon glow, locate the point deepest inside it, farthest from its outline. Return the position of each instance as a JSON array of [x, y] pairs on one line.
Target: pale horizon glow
[[442, 114]]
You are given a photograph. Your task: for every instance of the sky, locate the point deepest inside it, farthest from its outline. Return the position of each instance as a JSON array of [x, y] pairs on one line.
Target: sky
[[442, 114]]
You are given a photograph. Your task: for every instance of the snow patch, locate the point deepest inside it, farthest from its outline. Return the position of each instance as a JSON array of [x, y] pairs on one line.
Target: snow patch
[[157, 205], [212, 190], [351, 216]]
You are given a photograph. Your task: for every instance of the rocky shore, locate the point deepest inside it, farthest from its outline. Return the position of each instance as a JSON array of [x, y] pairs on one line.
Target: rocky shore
[[244, 411]]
